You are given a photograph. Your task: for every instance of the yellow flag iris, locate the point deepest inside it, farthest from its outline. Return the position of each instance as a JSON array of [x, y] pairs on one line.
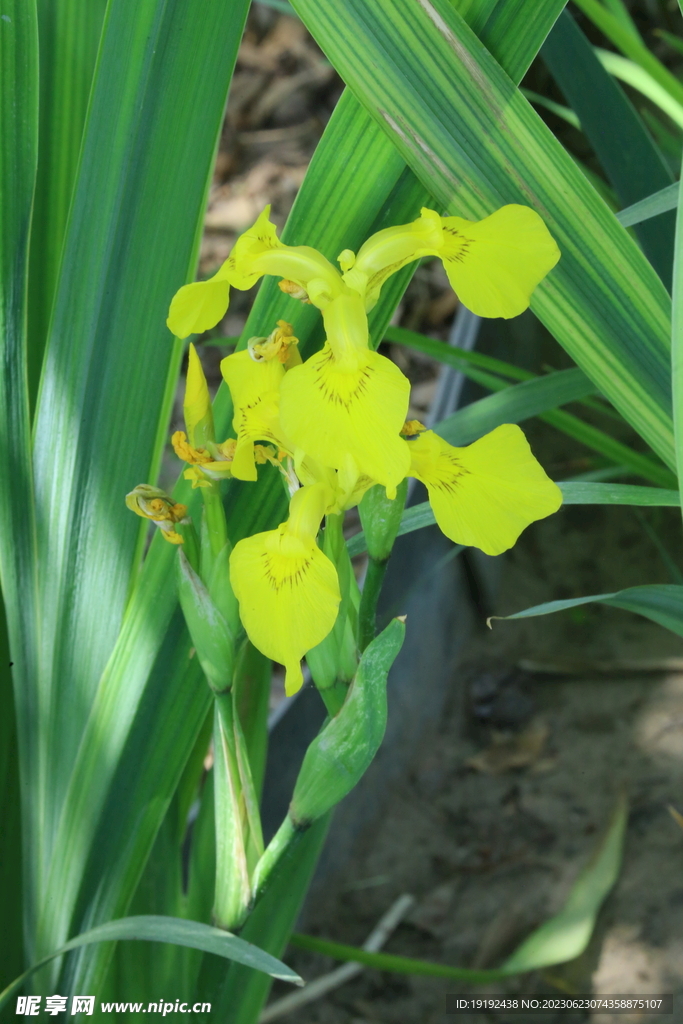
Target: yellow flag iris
[[287, 588], [493, 264], [484, 495]]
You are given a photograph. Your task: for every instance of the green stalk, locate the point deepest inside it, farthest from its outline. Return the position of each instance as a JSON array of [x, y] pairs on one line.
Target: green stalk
[[284, 840], [367, 614], [251, 688], [231, 899], [215, 526], [331, 663]]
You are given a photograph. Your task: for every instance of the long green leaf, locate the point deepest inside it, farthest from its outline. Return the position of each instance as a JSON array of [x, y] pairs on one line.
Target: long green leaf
[[11, 938], [635, 76], [177, 931], [454, 356], [660, 602], [517, 405], [18, 161], [630, 44], [677, 343], [628, 155], [69, 35], [573, 493], [414, 67], [513, 404], [567, 934], [562, 938], [149, 142], [652, 206]]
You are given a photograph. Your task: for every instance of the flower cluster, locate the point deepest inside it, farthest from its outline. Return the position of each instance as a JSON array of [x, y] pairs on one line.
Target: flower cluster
[[335, 424]]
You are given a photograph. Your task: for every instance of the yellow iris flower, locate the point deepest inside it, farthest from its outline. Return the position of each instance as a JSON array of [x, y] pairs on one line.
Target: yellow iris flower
[[287, 589], [345, 405], [483, 495]]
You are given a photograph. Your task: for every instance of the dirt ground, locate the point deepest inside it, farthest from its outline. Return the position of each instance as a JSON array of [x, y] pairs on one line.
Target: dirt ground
[[490, 849]]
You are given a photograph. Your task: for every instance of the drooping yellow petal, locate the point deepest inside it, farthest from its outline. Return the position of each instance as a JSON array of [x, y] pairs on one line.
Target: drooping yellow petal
[[197, 408], [494, 264], [484, 495], [338, 412], [199, 306], [287, 589], [254, 389]]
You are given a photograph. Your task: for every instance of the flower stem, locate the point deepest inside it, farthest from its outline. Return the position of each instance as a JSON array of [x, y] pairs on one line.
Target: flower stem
[[231, 899], [367, 613]]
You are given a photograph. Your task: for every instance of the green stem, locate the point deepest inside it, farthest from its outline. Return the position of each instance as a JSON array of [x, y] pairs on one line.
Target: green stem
[[284, 840], [190, 545], [367, 613], [214, 527], [334, 696], [232, 891]]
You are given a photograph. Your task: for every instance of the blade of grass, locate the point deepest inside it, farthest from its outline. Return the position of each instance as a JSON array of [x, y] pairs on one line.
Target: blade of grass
[[677, 342], [539, 397], [625, 149], [515, 403], [566, 113], [660, 602], [660, 202], [11, 938], [176, 930]]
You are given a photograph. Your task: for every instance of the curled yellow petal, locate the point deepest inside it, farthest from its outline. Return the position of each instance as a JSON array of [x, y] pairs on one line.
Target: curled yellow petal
[[199, 306], [484, 495], [259, 251], [287, 589], [154, 504], [254, 387], [338, 413], [387, 251]]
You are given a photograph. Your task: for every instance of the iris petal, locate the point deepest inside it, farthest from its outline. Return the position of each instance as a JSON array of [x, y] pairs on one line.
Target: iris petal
[[287, 588], [334, 412], [484, 495]]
